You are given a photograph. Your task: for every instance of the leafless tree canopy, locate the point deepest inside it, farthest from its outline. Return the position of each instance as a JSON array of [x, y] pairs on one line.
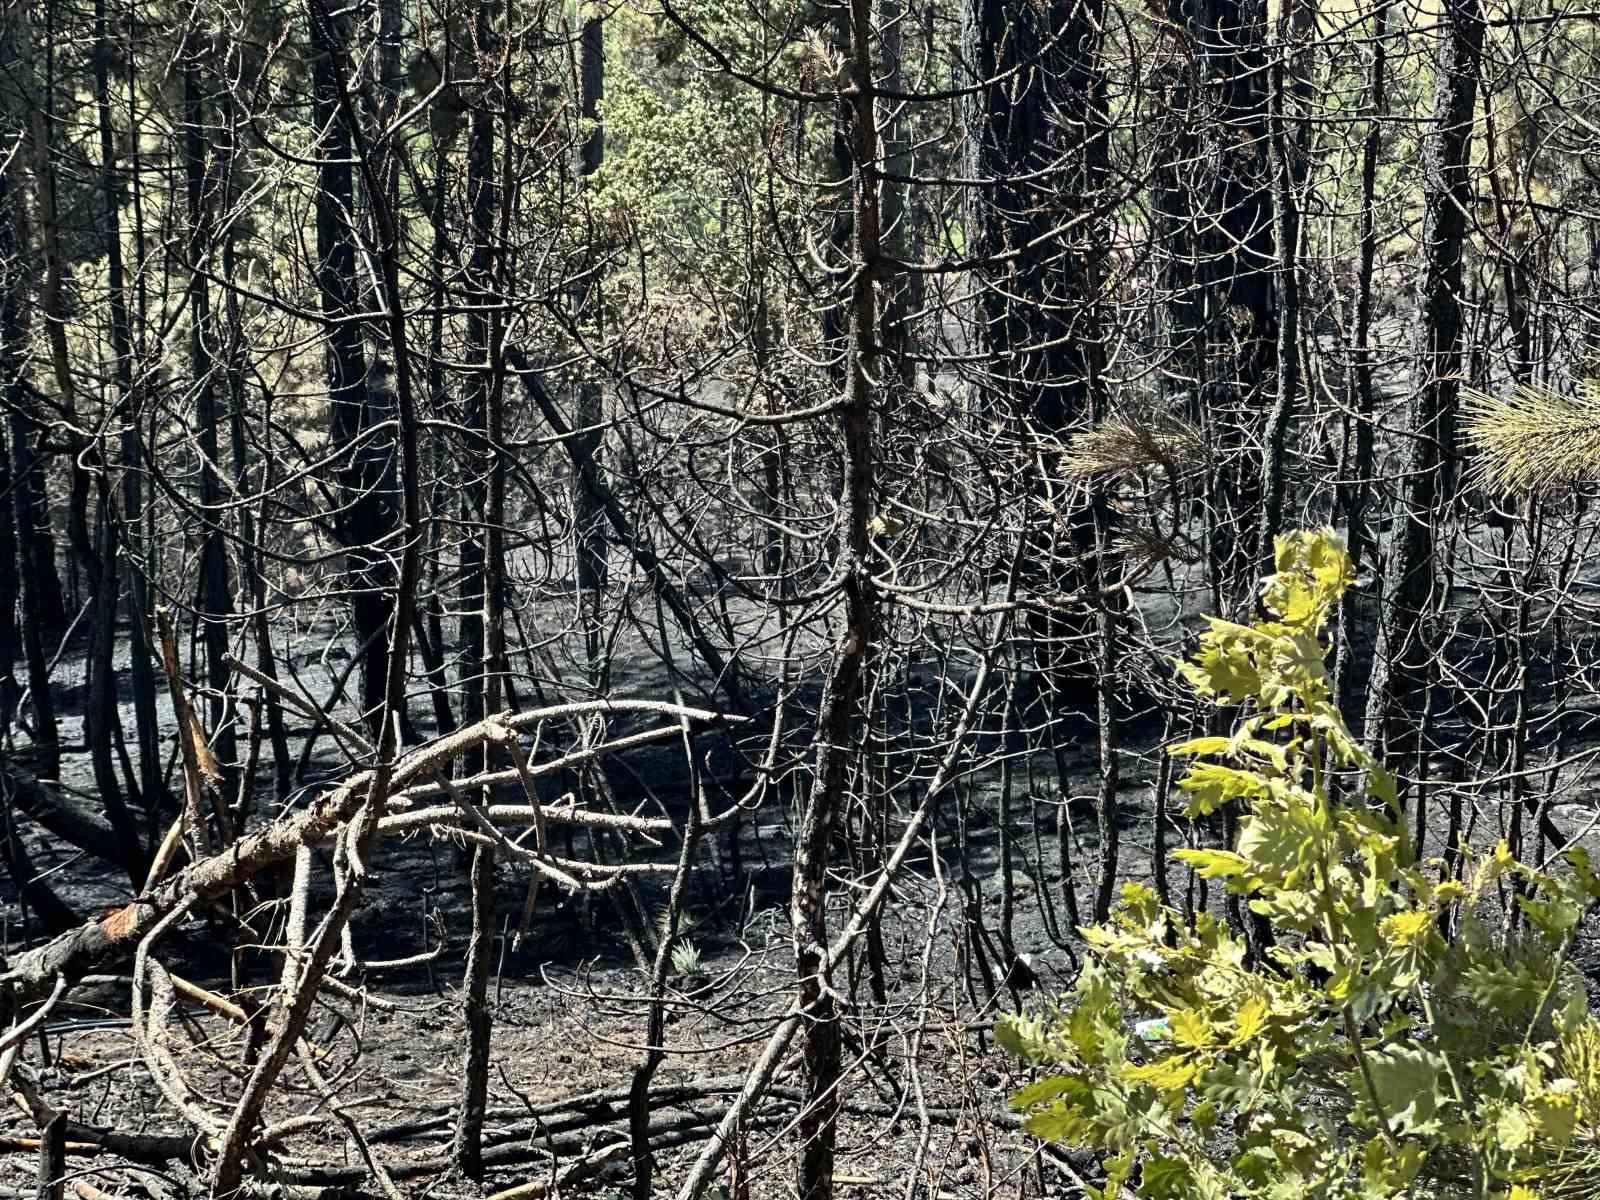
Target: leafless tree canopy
[[587, 592]]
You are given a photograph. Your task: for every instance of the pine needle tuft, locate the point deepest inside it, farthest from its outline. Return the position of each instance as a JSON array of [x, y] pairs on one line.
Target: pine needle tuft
[[1534, 437], [1130, 440], [1140, 548]]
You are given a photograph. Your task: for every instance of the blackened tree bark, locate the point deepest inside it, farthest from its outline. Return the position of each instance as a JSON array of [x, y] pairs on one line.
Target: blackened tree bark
[[31, 525], [840, 721], [431, 620], [1402, 667], [101, 721], [481, 194], [132, 586], [1214, 200], [1356, 490], [1288, 115], [467, 1146], [1037, 139], [47, 609], [480, 575], [368, 518], [41, 707], [36, 72], [336, 124], [91, 535], [10, 635], [252, 559], [215, 605], [899, 302], [33, 886], [592, 568], [37, 529]]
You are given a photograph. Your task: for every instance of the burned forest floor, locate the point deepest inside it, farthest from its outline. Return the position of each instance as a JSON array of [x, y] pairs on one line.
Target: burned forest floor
[[923, 1102]]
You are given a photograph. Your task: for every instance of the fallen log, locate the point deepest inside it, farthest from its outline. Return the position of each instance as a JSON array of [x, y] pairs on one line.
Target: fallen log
[[149, 1149], [57, 811], [665, 1135]]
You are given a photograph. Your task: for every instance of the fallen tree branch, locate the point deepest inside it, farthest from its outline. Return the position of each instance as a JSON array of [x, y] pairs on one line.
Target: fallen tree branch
[[151, 1149], [675, 1132], [74, 953], [52, 808], [15, 1036]]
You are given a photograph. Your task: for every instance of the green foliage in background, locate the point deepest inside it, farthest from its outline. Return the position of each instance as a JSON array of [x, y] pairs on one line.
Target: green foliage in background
[[689, 181], [1401, 1033]]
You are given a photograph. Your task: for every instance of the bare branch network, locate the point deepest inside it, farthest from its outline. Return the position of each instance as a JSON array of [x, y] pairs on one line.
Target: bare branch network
[[589, 592]]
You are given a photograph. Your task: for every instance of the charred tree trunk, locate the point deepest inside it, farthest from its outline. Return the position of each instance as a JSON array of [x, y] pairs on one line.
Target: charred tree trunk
[[1215, 206], [440, 491], [132, 585], [1288, 113], [215, 606], [840, 720], [89, 535], [1037, 140], [476, 465], [1356, 488], [368, 517], [337, 130], [24, 91], [483, 500], [35, 590], [590, 542], [10, 634], [467, 1149], [1402, 667]]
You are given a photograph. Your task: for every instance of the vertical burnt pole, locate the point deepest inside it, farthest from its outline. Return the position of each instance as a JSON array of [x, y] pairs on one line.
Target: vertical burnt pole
[[1402, 666], [216, 597], [368, 517], [41, 606], [1216, 214], [839, 724], [1038, 149], [590, 544]]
